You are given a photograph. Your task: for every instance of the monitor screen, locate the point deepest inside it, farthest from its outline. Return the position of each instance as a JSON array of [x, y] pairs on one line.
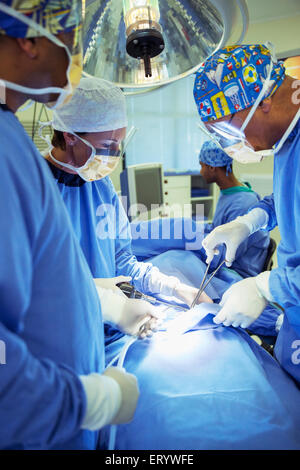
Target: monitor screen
[[148, 182]]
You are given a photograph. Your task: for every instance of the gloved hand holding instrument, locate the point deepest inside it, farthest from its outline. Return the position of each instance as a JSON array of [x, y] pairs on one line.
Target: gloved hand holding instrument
[[132, 316], [245, 300], [130, 291], [233, 234], [132, 311]]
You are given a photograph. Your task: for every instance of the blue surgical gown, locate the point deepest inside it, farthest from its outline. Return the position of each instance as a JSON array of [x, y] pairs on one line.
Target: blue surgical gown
[[251, 254], [103, 229], [283, 207], [50, 316]]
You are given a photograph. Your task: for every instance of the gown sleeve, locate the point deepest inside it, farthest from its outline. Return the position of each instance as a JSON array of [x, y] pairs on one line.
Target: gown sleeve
[[145, 277], [267, 204]]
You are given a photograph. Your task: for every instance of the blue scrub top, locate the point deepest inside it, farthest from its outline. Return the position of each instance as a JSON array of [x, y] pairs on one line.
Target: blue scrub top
[[251, 254], [50, 316]]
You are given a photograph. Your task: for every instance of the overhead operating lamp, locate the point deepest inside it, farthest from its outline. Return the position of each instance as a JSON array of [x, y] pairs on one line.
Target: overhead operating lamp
[[145, 43], [143, 31]]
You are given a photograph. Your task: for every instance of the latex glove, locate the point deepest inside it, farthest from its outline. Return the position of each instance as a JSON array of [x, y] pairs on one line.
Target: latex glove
[[130, 394], [111, 282], [233, 234], [244, 301], [136, 317], [111, 398], [187, 294], [131, 316], [172, 287]]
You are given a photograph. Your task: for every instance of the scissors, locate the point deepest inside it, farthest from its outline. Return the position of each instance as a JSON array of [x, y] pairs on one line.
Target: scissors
[[204, 282]]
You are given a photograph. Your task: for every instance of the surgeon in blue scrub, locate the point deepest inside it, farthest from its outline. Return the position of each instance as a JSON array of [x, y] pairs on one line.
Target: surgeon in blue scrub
[[53, 392], [85, 149], [235, 200], [261, 117]]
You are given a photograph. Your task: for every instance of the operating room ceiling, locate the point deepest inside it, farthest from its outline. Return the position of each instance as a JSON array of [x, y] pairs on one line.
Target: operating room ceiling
[[277, 21], [266, 10]]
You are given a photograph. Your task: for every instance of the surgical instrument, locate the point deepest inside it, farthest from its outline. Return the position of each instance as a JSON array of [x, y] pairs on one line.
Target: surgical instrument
[[204, 282], [130, 291]]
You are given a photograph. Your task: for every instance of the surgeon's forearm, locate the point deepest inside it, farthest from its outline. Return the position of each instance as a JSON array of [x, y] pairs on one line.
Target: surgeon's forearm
[[263, 284], [159, 283], [268, 205], [255, 220], [111, 305], [104, 398]]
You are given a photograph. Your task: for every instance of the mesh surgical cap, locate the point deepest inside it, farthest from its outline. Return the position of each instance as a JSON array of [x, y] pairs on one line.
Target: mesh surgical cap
[[231, 79], [55, 15], [212, 155], [96, 106]]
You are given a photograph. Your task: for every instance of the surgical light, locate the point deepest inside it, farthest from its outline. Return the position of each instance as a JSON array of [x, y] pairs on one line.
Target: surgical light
[[143, 31], [138, 44]]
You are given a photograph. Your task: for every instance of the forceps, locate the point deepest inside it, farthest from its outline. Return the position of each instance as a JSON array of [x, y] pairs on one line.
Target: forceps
[[204, 282]]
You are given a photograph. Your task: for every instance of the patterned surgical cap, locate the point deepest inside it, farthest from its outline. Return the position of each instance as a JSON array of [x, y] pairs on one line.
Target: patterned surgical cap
[[55, 15], [231, 79]]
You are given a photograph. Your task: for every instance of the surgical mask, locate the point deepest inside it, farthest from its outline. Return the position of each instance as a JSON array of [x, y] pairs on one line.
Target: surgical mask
[[237, 149], [242, 153], [73, 52], [101, 162], [97, 167]]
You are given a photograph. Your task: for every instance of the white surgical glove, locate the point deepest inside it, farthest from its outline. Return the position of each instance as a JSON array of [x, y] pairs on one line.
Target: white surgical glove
[[188, 294], [111, 398], [131, 316], [244, 301], [160, 283], [129, 394], [111, 282], [234, 233]]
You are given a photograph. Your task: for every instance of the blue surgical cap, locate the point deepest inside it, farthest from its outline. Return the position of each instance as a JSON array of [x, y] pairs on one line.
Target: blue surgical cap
[[213, 155]]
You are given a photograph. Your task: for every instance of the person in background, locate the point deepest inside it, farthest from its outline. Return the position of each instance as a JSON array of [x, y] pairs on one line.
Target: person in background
[[235, 200], [262, 119], [85, 149], [54, 392]]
